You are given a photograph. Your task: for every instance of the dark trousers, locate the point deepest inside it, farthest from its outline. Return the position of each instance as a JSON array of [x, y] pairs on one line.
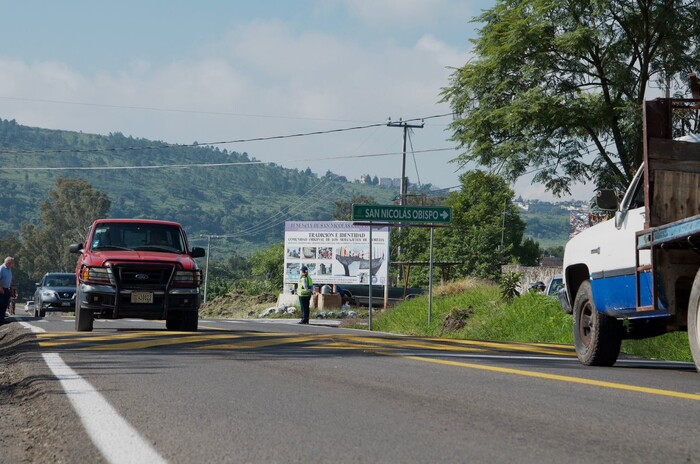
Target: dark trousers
[[5, 301], [304, 303]]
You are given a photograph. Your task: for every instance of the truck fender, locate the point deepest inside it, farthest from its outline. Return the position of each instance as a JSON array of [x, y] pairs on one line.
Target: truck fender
[[574, 276]]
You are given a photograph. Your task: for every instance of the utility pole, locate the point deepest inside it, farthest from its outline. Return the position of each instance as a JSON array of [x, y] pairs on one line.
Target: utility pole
[[206, 268], [406, 126], [404, 184]]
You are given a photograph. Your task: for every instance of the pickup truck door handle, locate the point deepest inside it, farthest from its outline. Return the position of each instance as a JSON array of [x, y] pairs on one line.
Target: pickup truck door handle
[[595, 251]]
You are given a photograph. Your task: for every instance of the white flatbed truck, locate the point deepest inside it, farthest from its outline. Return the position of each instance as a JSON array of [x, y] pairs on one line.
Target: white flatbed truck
[[637, 275]]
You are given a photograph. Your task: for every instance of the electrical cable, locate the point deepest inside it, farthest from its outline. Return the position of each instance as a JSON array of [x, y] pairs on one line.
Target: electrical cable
[[198, 144], [207, 165]]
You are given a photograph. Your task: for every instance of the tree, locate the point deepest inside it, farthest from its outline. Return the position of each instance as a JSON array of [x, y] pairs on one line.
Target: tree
[[268, 264], [65, 217], [343, 209], [558, 85], [486, 226], [486, 231], [528, 253]]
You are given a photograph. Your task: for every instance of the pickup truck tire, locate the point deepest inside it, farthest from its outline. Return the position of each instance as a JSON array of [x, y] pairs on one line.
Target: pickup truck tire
[[597, 337], [83, 317], [189, 321], [173, 321], [694, 321]]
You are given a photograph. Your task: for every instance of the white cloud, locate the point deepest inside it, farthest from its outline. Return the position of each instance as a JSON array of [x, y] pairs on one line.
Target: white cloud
[[404, 11]]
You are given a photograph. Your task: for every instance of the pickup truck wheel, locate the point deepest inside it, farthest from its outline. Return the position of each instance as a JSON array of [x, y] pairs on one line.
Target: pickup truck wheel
[[597, 337], [83, 317], [173, 321], [694, 321], [42, 313], [190, 321]]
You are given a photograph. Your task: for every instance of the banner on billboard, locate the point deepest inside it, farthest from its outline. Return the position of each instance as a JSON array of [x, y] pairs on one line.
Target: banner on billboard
[[335, 252]]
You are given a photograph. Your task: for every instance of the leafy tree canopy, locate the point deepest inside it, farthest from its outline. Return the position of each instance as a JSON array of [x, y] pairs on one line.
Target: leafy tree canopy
[[65, 217], [558, 85]]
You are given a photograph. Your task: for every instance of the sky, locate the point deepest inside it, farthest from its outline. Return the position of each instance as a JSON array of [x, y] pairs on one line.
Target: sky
[[209, 71]]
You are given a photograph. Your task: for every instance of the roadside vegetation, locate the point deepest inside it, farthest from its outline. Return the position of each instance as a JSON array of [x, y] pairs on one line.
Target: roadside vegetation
[[474, 309]]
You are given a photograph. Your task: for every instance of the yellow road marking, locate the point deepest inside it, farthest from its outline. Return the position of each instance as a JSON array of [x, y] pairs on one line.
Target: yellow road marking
[[259, 344], [410, 344], [529, 348], [560, 378], [159, 342]]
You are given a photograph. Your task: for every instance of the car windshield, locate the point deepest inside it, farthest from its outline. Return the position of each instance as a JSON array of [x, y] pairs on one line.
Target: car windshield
[[137, 236], [60, 280]]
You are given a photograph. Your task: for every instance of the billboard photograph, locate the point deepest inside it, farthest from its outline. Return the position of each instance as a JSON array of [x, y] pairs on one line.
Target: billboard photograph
[[336, 252]]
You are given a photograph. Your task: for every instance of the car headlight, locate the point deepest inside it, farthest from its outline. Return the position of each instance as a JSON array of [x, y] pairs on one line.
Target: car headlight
[[98, 275], [48, 294], [187, 278]]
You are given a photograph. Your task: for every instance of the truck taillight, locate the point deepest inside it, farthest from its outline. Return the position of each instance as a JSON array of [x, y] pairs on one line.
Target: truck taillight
[[187, 278], [101, 275]]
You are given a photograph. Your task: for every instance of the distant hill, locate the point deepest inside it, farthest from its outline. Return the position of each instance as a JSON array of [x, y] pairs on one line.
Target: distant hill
[[210, 191], [548, 223]]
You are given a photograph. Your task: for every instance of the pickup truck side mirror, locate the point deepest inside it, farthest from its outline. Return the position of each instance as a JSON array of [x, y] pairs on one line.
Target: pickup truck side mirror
[[606, 199], [75, 247], [197, 252]]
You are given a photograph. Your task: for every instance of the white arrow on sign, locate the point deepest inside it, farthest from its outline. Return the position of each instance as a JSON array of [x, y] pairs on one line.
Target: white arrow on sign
[[444, 215]]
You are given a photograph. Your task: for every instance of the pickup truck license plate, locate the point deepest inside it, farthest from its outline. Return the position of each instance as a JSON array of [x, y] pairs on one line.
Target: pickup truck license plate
[[141, 297], [66, 303]]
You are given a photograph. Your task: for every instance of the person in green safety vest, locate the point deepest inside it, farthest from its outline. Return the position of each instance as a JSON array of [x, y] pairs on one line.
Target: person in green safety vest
[[304, 290]]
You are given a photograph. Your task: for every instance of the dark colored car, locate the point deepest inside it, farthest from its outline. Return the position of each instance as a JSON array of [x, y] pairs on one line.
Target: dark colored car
[[55, 292]]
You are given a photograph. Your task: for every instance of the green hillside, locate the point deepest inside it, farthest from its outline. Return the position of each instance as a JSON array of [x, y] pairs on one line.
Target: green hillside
[[238, 197], [210, 191]]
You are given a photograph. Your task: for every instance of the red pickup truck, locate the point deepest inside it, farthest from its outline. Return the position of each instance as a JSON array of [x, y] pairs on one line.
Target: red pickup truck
[[137, 268]]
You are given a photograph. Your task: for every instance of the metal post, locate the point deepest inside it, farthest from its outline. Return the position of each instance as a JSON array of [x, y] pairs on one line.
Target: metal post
[[430, 281], [370, 276], [206, 272], [503, 225]]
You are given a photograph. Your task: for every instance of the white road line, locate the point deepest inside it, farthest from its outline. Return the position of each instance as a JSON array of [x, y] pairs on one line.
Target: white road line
[[112, 435], [31, 327]]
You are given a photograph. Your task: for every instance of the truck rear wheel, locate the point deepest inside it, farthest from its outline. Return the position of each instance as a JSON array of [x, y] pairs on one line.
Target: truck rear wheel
[[597, 337], [694, 321], [83, 317]]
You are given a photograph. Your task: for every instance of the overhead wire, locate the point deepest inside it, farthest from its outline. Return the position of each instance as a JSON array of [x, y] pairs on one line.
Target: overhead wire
[[410, 142], [206, 165], [200, 144]]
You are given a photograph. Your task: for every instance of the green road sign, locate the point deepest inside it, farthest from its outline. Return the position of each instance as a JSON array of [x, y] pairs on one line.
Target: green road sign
[[393, 213]]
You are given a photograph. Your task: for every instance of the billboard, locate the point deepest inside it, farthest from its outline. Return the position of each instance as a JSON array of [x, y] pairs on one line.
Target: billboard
[[582, 220], [336, 252]]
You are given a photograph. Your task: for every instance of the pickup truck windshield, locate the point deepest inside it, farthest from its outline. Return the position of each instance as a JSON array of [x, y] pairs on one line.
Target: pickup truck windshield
[[138, 237]]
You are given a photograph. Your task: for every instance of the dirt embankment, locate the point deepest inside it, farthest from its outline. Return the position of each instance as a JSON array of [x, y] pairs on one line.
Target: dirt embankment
[[237, 305]]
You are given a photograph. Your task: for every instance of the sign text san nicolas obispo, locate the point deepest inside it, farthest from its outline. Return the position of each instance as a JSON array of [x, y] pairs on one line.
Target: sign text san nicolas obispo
[[393, 213]]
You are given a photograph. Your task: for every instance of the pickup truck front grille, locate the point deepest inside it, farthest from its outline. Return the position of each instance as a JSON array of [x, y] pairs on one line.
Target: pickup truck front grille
[[144, 276]]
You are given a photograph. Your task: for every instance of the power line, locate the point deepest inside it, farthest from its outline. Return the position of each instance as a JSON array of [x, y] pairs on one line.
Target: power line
[[173, 110], [207, 165], [199, 144]]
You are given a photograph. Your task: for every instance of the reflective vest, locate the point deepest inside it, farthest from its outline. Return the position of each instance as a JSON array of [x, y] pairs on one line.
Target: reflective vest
[[304, 287]]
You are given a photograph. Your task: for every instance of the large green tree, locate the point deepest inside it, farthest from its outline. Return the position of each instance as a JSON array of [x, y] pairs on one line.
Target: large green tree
[[65, 216], [486, 231], [558, 85]]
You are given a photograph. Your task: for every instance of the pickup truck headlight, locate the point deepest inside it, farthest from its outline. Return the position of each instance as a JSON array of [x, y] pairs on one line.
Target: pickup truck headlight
[[187, 278], [96, 275]]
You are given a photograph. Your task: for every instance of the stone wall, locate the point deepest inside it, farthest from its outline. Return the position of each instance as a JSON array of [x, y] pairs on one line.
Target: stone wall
[[531, 274]]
